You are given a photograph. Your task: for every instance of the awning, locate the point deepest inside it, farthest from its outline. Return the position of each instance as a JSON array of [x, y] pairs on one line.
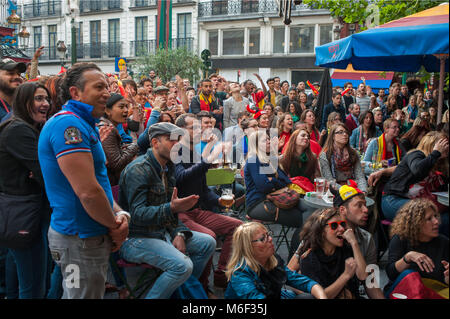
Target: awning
[[14, 53], [375, 79]]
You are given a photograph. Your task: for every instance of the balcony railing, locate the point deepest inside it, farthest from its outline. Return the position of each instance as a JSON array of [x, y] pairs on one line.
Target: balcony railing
[[214, 8], [142, 3], [145, 47], [51, 8], [187, 43], [48, 53], [99, 50], [84, 51], [87, 6], [142, 47]]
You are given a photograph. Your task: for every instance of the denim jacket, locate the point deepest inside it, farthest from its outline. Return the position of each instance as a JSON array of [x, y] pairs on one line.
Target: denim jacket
[[247, 284], [142, 193]]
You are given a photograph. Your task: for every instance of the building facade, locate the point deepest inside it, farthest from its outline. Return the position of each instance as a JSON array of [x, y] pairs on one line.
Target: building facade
[[244, 36]]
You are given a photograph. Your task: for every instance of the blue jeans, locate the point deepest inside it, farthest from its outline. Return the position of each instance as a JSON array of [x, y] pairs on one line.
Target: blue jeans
[[56, 283], [391, 204], [27, 268], [176, 266]]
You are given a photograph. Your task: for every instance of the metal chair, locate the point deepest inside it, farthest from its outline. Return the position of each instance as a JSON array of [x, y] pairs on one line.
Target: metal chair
[[145, 280]]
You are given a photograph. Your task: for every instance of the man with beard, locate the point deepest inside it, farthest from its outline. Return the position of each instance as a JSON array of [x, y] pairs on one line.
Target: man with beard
[[10, 79], [206, 101]]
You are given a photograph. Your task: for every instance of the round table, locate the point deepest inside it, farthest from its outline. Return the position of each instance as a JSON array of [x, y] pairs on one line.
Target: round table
[[442, 198], [316, 202]]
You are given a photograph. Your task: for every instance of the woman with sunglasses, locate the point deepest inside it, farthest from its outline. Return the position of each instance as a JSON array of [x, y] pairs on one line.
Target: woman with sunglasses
[[21, 178], [330, 254], [339, 161], [416, 243], [254, 271]]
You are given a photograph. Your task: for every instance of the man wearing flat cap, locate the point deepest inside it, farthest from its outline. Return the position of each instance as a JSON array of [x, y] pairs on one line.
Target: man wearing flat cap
[[157, 236], [10, 79], [351, 203]]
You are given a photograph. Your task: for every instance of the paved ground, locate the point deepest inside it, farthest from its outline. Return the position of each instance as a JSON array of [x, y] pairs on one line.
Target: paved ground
[[134, 273]]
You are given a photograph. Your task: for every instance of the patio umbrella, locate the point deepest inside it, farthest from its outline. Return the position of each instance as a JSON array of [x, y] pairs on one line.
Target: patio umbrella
[[324, 98], [402, 45]]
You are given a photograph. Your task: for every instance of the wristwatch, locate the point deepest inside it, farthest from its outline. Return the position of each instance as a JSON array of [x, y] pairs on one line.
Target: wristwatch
[[122, 212], [404, 259], [182, 235]]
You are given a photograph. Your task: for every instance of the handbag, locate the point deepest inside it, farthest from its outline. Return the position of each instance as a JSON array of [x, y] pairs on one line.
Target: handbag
[[284, 198], [20, 219]]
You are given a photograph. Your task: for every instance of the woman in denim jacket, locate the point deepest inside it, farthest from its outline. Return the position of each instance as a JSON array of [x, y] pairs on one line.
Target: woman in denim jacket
[[254, 272]]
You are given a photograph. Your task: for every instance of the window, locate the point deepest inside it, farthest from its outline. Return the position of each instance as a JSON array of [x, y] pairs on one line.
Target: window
[[113, 38], [301, 40], [219, 7], [184, 30], [141, 34], [51, 7], [37, 37], [278, 40], [249, 6], [326, 34], [233, 42], [213, 42], [79, 39], [184, 25], [36, 8], [253, 43], [95, 36], [141, 28], [52, 41]]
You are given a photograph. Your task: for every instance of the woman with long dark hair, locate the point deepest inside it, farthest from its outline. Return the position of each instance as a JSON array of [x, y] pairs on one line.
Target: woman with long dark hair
[[309, 118], [298, 159], [22, 180], [331, 254], [366, 130]]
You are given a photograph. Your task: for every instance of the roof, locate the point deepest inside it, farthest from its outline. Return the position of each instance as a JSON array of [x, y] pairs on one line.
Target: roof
[[8, 51]]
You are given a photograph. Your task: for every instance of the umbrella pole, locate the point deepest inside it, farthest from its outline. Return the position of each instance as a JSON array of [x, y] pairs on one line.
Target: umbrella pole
[[442, 58]]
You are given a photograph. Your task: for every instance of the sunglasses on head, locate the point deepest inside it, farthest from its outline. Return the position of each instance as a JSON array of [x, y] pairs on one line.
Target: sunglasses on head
[[335, 225]]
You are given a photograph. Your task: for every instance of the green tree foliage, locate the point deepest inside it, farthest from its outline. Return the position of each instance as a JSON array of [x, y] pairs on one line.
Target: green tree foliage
[[358, 11], [168, 63]]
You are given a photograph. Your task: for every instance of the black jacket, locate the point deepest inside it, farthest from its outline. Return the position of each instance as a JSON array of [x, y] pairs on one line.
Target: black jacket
[[20, 172], [413, 168], [194, 108]]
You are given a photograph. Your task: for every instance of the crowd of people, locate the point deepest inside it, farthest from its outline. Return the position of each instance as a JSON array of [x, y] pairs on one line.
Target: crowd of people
[[120, 167]]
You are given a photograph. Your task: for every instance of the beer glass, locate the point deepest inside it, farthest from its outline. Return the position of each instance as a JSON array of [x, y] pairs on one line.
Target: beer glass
[[227, 199]]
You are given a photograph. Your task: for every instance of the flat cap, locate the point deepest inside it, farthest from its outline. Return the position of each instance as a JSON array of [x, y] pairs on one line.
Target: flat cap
[[9, 64], [165, 128], [160, 88]]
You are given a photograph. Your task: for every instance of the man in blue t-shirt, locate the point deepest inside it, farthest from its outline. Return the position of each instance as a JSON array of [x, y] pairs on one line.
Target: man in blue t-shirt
[[86, 223]]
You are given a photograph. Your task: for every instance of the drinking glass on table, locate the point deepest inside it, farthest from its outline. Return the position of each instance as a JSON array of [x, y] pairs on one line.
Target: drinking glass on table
[[227, 199]]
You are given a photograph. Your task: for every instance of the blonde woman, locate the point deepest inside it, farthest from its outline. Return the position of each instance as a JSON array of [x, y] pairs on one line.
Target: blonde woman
[[414, 167], [255, 272], [416, 243]]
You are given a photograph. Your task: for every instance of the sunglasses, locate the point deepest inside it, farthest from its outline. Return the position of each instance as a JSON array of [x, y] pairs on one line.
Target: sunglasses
[[335, 225], [264, 238], [341, 132]]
